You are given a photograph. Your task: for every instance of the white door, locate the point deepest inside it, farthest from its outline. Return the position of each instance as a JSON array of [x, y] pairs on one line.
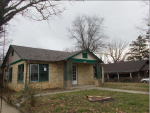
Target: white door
[[74, 75]]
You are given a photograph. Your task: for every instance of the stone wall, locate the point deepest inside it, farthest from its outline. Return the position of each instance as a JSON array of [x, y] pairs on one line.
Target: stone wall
[[55, 77], [14, 85], [85, 75]]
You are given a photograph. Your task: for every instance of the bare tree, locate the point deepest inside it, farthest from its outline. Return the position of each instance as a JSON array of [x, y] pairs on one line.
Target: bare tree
[[88, 31], [71, 49], [116, 50], [33, 9], [4, 42], [143, 27]]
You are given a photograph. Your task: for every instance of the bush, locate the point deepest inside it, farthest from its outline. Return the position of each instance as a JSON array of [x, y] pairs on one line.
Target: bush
[[125, 79], [29, 93], [121, 79]]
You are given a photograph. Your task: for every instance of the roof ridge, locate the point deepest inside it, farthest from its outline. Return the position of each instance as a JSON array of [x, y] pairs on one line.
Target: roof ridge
[[127, 62], [42, 49]]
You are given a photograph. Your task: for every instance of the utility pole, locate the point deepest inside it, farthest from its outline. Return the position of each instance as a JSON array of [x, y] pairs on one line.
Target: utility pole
[[4, 42]]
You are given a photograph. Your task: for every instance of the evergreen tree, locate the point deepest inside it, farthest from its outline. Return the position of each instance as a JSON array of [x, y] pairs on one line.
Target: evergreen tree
[[139, 49]]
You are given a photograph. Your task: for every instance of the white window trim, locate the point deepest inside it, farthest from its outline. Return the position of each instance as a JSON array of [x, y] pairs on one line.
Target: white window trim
[[76, 73], [30, 73]]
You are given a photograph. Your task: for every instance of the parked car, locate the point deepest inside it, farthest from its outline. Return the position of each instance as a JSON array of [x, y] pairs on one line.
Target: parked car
[[145, 80]]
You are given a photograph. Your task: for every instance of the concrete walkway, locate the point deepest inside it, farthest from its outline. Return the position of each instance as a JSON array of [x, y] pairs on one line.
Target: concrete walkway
[[89, 87], [7, 108]]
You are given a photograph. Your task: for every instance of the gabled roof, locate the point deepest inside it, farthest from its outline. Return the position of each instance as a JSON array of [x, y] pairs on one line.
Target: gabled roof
[[28, 53], [37, 54], [123, 67], [145, 67]]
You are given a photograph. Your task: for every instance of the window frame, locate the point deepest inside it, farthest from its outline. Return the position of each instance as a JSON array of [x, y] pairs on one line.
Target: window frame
[[22, 65], [39, 73], [95, 71], [47, 72], [10, 74], [30, 72], [84, 55], [6, 74]]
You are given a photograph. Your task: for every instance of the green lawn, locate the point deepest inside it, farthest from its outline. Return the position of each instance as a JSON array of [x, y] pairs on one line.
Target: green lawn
[[127, 86], [77, 102]]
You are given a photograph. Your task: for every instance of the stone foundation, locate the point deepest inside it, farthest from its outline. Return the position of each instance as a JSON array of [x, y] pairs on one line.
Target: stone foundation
[[68, 84], [98, 82]]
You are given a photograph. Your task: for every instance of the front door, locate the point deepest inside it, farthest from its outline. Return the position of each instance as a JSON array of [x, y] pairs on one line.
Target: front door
[[74, 75]]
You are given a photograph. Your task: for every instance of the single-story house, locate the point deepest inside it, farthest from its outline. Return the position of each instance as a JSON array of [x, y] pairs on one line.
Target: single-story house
[[131, 69], [32, 66]]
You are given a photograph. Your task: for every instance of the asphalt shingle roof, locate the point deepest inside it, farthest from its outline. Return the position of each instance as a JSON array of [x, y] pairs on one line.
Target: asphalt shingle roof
[[131, 66], [145, 68], [28, 53]]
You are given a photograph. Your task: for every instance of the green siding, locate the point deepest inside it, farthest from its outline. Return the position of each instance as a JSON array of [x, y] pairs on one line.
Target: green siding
[[16, 62], [84, 61]]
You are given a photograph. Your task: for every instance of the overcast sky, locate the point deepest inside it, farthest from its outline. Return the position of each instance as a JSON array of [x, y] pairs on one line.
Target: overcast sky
[[120, 20]]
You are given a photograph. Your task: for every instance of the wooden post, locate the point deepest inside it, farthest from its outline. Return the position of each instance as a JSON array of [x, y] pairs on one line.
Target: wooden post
[[118, 76], [102, 74], [108, 77], [130, 75], [138, 76]]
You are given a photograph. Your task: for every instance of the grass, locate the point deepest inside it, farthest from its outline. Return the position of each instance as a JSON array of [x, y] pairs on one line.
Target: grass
[[127, 86], [18, 95], [77, 102]]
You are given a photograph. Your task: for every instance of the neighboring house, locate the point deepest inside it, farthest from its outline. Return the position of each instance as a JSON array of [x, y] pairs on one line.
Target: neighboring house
[[33, 66], [131, 69]]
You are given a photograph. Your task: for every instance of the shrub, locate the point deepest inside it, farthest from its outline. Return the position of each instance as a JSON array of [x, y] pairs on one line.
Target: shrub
[[29, 93]]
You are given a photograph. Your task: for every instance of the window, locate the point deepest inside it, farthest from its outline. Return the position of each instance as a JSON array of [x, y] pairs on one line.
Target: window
[[10, 74], [95, 72], [12, 53], [34, 72], [38, 72], [84, 55], [20, 72], [6, 74], [43, 72]]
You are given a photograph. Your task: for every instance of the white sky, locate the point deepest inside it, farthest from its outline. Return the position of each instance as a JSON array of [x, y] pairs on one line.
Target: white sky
[[120, 20]]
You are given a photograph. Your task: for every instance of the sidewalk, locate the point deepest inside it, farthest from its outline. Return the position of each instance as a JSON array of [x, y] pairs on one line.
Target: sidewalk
[[89, 87], [7, 108]]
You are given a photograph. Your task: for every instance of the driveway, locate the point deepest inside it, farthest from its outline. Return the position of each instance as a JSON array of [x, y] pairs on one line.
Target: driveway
[[7, 108]]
